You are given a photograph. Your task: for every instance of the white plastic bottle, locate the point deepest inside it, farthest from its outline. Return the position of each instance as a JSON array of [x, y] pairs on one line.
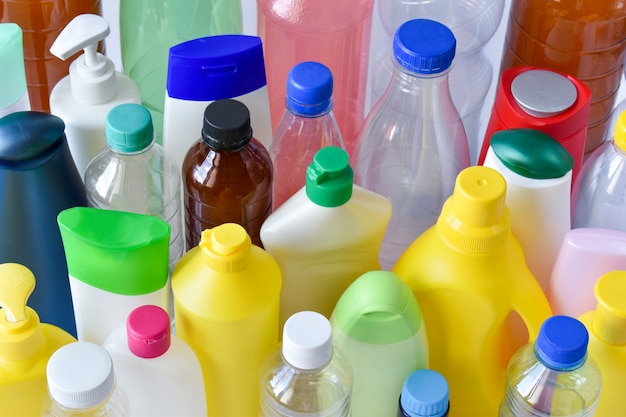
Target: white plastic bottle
[[160, 373], [93, 87], [13, 90]]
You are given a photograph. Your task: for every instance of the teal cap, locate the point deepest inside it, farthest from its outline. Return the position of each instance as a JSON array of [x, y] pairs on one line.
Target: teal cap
[[12, 71], [129, 128], [378, 308], [531, 153], [329, 178]]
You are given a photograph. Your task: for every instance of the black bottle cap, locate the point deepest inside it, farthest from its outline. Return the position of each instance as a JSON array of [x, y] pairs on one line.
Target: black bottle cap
[[226, 125]]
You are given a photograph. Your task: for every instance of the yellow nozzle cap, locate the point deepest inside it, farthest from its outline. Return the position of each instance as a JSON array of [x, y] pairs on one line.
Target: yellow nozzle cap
[[609, 322], [16, 284], [619, 134], [227, 247]]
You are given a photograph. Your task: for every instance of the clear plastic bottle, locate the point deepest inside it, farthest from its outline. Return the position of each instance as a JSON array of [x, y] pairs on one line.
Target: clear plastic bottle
[[306, 376], [81, 383], [413, 144], [307, 125], [425, 393], [553, 376], [599, 192], [135, 175]]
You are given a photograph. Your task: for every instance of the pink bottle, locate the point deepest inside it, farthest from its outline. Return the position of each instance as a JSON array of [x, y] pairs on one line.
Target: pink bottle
[[334, 33], [586, 254]]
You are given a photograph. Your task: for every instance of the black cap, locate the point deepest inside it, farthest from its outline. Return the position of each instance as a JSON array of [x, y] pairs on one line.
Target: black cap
[[226, 125]]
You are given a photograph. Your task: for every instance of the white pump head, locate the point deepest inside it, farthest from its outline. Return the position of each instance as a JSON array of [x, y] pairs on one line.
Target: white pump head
[[92, 75]]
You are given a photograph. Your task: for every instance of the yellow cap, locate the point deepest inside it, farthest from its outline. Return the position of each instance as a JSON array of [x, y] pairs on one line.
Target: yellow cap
[[619, 134], [475, 218], [609, 322], [227, 247]]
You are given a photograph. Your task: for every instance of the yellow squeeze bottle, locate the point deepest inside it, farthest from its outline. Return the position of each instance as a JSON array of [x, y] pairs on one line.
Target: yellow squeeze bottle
[[25, 345], [472, 283]]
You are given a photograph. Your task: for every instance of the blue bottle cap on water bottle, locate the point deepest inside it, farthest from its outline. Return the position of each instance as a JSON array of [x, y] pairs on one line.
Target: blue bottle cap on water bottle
[[562, 343], [215, 67], [129, 128], [425, 393], [424, 46], [309, 89]]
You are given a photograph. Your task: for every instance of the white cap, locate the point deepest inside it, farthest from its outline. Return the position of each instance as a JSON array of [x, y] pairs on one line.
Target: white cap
[[307, 340], [92, 75], [80, 375]]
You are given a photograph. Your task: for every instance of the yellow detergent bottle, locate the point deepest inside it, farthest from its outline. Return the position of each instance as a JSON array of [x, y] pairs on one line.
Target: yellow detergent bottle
[[479, 300], [25, 345], [226, 298], [607, 340]]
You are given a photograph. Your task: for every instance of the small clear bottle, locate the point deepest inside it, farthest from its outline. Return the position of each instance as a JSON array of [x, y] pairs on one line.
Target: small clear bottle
[[307, 125], [553, 376], [81, 383], [306, 376], [425, 393], [135, 175]]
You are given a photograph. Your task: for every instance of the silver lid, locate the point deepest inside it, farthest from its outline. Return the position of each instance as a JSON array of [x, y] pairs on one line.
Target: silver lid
[[543, 93]]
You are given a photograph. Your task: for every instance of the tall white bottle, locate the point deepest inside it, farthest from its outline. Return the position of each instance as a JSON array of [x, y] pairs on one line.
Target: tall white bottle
[[160, 372], [93, 87]]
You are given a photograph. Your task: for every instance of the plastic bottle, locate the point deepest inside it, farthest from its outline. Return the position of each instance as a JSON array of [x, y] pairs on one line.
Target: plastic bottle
[[599, 192], [413, 144], [551, 102], [585, 39], [606, 325], [160, 373], [226, 299], [425, 393], [378, 325], [117, 261], [25, 344], [134, 174], [538, 174], [227, 174], [306, 375], [308, 124], [553, 376], [325, 236], [38, 179], [585, 255], [93, 87], [82, 382], [41, 23], [12, 73], [203, 70], [148, 28], [336, 34], [479, 300]]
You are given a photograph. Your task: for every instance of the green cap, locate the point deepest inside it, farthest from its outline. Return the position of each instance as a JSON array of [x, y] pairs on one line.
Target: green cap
[[329, 178], [129, 128], [531, 153], [116, 251], [378, 308], [12, 72]]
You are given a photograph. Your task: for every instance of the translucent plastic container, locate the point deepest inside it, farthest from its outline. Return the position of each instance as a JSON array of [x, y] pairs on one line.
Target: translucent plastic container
[[12, 74]]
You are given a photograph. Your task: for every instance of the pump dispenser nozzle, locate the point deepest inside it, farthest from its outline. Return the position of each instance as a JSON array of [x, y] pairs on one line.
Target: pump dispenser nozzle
[[17, 283]]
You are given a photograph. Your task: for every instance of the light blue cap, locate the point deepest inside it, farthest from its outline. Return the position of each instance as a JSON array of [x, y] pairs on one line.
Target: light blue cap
[[129, 128], [425, 393], [12, 71]]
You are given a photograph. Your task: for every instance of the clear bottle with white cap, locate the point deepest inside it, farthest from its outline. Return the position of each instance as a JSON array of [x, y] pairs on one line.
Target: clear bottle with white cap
[[306, 376], [93, 87], [14, 95]]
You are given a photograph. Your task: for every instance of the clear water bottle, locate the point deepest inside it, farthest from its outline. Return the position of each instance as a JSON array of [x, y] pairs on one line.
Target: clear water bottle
[[135, 175], [413, 144], [306, 376], [425, 393], [307, 125], [553, 376]]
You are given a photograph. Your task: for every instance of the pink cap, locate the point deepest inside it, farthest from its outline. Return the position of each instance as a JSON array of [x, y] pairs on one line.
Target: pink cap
[[148, 331]]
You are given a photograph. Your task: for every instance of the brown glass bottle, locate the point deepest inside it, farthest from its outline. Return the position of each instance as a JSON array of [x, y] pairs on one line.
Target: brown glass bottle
[[227, 174]]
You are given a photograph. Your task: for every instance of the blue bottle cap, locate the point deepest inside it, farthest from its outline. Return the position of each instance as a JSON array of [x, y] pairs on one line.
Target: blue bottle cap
[[425, 393], [215, 67], [309, 89], [424, 46], [129, 128], [562, 343]]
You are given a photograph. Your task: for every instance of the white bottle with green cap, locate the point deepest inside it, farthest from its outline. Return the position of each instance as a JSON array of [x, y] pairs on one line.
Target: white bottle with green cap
[[325, 236], [13, 90], [93, 87]]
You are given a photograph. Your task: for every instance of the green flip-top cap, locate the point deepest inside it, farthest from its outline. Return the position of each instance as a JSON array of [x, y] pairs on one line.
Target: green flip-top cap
[[12, 71], [378, 308], [329, 178]]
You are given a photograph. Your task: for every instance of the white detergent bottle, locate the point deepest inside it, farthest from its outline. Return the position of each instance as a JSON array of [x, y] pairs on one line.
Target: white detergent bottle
[[93, 87]]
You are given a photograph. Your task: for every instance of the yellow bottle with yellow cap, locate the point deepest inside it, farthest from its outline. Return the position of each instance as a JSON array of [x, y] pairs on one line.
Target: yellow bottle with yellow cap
[[607, 340], [25, 345], [226, 298], [479, 300]]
